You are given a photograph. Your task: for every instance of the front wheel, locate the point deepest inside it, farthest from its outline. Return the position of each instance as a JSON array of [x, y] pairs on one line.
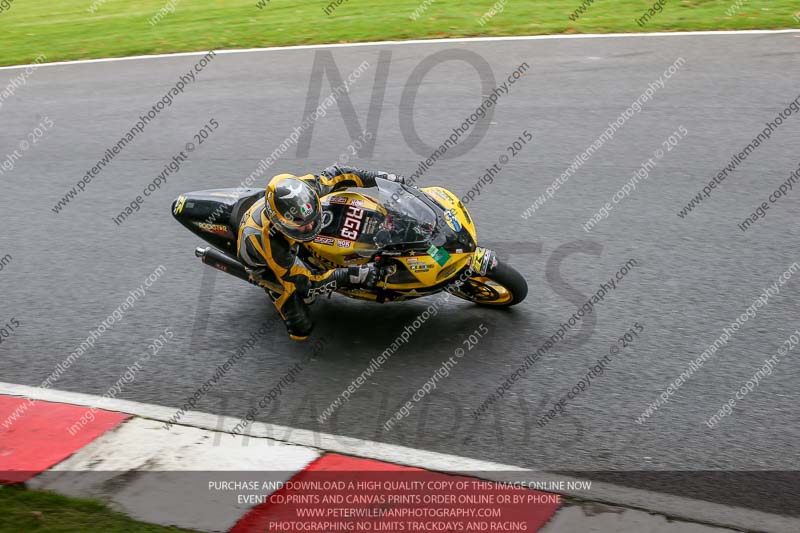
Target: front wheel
[[503, 286]]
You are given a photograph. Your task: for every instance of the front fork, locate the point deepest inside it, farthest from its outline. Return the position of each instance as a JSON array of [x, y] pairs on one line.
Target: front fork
[[483, 261], [380, 293]]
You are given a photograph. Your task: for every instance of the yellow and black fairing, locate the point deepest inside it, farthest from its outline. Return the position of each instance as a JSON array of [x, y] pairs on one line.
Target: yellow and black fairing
[[419, 258], [214, 215]]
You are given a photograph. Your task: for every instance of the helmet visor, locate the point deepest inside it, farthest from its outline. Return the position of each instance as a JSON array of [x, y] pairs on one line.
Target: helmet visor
[[306, 232], [294, 208]]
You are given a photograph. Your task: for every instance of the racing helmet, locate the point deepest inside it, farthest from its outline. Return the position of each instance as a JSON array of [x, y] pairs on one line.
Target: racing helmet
[[293, 207]]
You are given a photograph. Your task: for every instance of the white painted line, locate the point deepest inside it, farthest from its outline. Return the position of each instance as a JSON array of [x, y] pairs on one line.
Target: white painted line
[[173, 473], [418, 41], [666, 504]]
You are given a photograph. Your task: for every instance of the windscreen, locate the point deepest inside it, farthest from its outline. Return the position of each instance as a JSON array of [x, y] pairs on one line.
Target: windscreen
[[407, 221]]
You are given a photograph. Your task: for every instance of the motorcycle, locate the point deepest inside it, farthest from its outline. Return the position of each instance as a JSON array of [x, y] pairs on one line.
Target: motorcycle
[[422, 240]]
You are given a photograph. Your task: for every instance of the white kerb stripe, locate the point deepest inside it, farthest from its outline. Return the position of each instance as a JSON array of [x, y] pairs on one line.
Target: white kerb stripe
[[420, 41]]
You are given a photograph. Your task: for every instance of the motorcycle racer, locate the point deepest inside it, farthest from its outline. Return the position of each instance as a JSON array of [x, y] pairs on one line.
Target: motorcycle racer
[[288, 216]]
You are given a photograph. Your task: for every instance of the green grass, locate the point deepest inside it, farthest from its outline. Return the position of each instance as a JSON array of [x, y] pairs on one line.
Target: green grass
[[44, 512], [67, 30]]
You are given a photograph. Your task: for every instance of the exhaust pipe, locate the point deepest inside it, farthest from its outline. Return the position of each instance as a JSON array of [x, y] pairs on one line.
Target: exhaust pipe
[[216, 259]]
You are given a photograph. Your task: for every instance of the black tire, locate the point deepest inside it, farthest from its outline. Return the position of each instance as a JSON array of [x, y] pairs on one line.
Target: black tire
[[504, 275]]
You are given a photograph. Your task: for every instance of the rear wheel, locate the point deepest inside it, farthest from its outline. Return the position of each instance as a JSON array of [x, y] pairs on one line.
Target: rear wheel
[[503, 286]]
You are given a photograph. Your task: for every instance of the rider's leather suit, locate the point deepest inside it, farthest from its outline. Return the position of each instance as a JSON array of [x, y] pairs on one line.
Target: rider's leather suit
[[273, 257]]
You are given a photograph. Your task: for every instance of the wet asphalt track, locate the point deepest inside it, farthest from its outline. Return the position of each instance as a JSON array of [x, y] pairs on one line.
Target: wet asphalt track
[[695, 276]]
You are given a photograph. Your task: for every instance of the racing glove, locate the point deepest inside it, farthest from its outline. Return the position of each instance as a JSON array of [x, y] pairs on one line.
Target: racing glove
[[363, 276], [335, 170], [395, 178]]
